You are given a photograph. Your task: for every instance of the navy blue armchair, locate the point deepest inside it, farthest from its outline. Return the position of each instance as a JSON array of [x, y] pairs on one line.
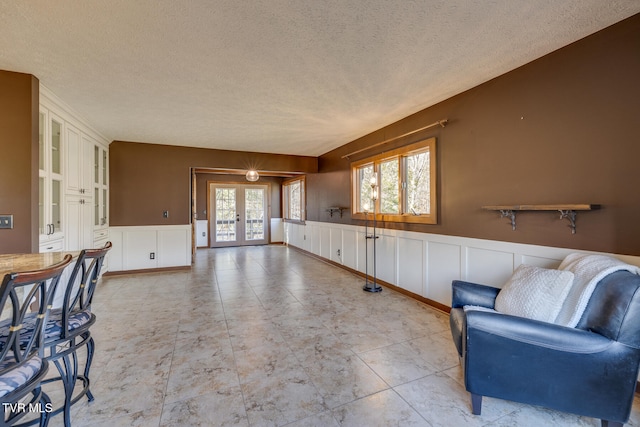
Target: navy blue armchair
[[590, 370]]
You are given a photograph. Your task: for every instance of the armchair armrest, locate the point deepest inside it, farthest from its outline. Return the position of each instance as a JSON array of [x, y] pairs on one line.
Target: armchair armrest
[[520, 330], [467, 293]]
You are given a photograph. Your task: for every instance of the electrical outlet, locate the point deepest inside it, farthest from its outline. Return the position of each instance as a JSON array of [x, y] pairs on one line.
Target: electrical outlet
[[6, 221], [204, 234], [152, 255], [165, 214], [338, 253]]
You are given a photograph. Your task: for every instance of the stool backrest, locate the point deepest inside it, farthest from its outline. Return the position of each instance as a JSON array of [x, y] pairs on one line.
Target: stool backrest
[[25, 299], [83, 279]]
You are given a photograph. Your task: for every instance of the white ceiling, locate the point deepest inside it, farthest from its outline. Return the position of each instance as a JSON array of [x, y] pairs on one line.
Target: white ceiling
[[292, 77]]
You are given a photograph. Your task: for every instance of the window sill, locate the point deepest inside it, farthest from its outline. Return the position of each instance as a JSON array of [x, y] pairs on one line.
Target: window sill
[[405, 218]]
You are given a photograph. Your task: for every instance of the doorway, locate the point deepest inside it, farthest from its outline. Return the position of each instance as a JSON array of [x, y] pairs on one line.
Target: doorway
[[238, 215]]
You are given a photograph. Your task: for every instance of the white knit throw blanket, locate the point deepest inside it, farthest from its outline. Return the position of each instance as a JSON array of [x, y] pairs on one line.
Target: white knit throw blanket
[[588, 270]]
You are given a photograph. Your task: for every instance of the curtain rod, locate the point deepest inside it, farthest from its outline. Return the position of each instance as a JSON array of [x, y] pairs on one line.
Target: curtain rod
[[439, 122]]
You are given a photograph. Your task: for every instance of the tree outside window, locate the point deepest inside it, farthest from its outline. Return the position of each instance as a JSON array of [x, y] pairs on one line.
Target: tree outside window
[[389, 188], [293, 199], [406, 181]]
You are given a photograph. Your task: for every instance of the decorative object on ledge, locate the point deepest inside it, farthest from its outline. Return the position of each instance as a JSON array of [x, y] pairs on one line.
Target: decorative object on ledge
[[333, 209], [566, 211], [371, 286]]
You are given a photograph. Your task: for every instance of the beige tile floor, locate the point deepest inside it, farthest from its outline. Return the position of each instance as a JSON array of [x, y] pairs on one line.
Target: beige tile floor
[[268, 336]]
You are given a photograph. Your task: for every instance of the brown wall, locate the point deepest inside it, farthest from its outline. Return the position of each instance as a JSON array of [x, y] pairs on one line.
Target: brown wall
[[19, 105], [562, 129], [202, 179], [147, 179]]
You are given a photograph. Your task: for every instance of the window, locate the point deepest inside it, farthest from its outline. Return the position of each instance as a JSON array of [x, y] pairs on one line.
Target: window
[[400, 186], [293, 199]]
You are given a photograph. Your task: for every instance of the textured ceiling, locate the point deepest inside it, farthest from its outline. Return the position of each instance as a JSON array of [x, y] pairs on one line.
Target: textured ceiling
[[292, 77]]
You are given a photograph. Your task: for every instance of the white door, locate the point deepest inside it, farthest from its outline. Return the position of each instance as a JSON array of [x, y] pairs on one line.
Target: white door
[[239, 215]]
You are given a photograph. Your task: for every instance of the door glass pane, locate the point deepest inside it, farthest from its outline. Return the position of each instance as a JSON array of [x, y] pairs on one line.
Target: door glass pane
[[41, 143], [418, 184], [56, 130], [365, 204], [225, 214], [389, 195], [254, 214], [56, 207]]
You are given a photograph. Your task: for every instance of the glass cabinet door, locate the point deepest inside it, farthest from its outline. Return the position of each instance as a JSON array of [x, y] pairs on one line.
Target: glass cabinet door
[[50, 189], [41, 207], [100, 183], [41, 142], [96, 206], [56, 132], [96, 165], [56, 206]]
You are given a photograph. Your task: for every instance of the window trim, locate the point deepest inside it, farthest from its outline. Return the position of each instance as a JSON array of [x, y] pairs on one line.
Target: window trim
[[400, 153], [286, 212]]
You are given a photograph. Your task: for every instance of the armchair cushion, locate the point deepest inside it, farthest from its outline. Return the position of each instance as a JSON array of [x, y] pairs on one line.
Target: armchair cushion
[[534, 293]]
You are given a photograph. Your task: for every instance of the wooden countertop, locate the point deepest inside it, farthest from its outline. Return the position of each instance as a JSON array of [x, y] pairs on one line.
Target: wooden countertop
[[13, 263]]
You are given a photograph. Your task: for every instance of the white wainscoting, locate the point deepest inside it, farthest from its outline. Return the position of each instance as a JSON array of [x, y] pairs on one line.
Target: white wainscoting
[[423, 263], [132, 246], [277, 230], [202, 233]]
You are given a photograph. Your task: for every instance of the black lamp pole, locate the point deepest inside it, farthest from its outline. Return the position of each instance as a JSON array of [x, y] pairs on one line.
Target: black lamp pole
[[368, 286]]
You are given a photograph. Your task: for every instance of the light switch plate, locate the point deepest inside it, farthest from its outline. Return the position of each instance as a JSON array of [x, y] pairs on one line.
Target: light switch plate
[[6, 221]]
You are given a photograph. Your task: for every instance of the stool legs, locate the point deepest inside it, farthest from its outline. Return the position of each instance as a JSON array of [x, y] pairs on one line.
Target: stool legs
[[90, 350], [66, 362], [68, 368]]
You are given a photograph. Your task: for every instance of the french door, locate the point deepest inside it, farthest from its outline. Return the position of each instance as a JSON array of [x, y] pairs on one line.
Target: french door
[[238, 215]]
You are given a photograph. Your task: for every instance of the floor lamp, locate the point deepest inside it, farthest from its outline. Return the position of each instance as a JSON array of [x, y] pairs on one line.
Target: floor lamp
[[371, 286]]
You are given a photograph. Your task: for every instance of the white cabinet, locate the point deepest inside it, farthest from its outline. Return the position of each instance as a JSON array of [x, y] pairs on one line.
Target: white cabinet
[[79, 162], [50, 177], [78, 216], [52, 246], [73, 178], [149, 247], [86, 190], [100, 238]]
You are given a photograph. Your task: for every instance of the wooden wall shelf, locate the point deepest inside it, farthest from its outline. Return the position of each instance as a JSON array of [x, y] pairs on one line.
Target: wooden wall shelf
[[567, 211]]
